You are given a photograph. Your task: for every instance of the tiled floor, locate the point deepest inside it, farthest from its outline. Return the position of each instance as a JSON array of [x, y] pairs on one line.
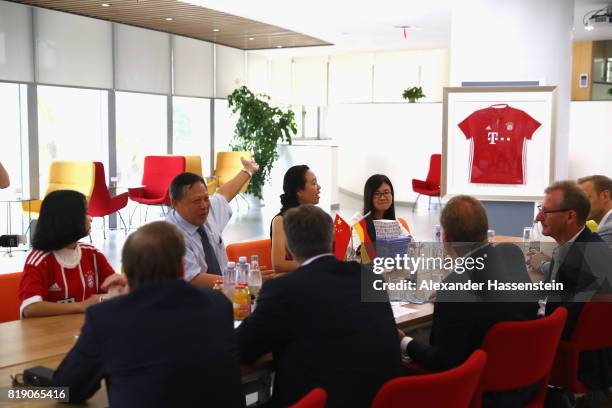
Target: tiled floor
[[246, 224]]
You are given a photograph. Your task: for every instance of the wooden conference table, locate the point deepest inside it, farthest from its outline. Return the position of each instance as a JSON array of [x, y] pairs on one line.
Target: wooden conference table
[[45, 341]]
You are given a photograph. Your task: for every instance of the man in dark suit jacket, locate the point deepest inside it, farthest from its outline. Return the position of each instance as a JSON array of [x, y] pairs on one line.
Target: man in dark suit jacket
[[314, 322], [582, 263], [166, 343], [462, 318]]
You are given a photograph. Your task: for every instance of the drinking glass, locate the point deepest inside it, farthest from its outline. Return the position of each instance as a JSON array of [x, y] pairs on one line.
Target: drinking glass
[[491, 236], [527, 237]]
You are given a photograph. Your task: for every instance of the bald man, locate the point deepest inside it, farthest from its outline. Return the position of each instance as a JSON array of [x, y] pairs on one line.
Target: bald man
[[166, 343]]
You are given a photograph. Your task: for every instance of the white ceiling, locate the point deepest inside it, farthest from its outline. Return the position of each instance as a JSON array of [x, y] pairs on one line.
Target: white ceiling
[[354, 25]]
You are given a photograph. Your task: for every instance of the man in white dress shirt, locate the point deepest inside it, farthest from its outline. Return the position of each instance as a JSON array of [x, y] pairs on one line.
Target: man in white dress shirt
[[599, 190], [202, 219]]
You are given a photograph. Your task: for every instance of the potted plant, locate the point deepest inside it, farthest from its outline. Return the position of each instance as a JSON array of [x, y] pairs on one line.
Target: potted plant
[[260, 128], [413, 94]]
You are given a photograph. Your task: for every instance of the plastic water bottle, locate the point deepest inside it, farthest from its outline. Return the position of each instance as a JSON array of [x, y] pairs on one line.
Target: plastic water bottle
[[437, 234], [229, 279], [254, 276], [242, 270]]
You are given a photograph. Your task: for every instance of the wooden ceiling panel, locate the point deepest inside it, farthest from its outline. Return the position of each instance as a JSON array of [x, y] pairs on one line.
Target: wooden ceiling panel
[[188, 20]]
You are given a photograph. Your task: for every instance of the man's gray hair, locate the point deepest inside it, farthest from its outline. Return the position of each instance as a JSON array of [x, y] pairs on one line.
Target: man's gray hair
[[309, 231]]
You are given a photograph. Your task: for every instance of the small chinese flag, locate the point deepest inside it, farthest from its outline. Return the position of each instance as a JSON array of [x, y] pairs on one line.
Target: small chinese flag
[[342, 236]]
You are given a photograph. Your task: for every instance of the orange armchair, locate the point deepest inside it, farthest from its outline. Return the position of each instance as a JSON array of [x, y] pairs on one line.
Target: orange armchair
[[9, 299], [261, 248]]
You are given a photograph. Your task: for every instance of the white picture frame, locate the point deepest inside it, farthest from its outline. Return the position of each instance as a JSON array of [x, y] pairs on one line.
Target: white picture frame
[[538, 152]]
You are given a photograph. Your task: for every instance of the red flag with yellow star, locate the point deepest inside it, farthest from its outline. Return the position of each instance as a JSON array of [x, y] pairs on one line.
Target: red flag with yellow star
[[342, 236]]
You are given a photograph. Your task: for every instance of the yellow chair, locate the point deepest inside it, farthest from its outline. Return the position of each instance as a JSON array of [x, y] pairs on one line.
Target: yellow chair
[[193, 164], [65, 175], [228, 165]]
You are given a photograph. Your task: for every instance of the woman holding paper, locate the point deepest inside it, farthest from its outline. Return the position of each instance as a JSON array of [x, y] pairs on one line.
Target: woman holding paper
[[378, 204], [299, 187]]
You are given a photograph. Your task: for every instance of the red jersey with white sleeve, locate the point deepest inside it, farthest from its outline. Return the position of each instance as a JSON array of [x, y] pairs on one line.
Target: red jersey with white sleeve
[[47, 276], [499, 137]]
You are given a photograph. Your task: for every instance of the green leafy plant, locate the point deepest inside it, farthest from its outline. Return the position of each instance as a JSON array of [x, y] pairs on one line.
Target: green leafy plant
[[413, 94], [609, 91], [260, 128]]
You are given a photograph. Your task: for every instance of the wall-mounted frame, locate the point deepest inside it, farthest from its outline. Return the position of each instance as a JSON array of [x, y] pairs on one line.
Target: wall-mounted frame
[[504, 149]]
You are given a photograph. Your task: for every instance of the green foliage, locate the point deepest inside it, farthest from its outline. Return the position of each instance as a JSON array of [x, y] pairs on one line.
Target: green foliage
[[413, 94], [259, 130], [609, 91]]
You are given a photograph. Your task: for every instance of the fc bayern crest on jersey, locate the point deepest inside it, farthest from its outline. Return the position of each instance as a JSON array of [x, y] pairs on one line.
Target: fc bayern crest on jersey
[[509, 126], [90, 280]]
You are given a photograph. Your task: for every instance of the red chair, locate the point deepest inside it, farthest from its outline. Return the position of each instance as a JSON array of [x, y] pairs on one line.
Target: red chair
[[431, 186], [261, 248], [458, 385], [101, 203], [520, 354], [593, 331], [157, 175], [314, 399], [9, 299]]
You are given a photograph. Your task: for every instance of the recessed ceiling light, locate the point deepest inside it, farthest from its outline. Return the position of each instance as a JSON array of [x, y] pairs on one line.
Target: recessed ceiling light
[[251, 38], [105, 5], [279, 46], [169, 19], [216, 30]]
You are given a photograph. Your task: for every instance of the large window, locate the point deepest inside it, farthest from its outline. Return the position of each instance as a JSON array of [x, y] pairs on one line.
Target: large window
[[191, 128], [225, 123], [14, 151], [13, 128], [72, 125], [141, 131]]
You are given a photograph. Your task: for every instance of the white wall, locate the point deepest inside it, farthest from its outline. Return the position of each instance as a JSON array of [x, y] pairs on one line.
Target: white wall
[[513, 41], [397, 140], [590, 141], [358, 77], [392, 139]]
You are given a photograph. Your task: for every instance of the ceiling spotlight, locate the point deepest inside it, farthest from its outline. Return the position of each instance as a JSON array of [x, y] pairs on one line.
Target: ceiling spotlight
[[169, 19], [105, 5], [251, 38], [216, 30], [589, 27], [279, 46]]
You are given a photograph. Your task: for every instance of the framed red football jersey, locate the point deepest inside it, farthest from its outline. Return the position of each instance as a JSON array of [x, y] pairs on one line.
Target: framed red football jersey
[[499, 136]]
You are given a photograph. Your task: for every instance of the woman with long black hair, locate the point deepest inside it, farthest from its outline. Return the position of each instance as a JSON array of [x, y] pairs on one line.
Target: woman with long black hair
[[62, 275], [299, 187]]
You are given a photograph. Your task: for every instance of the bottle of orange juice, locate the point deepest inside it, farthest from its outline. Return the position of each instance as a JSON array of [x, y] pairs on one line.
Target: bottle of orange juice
[[242, 302]]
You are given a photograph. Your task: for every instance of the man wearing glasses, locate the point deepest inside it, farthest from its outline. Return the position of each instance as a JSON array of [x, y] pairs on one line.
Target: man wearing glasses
[[582, 263]]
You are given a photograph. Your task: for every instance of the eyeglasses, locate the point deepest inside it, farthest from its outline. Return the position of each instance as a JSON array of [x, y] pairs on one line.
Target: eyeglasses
[[380, 194], [542, 210]]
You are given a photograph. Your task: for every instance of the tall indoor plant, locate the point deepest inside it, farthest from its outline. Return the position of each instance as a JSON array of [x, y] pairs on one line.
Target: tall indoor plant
[[260, 128]]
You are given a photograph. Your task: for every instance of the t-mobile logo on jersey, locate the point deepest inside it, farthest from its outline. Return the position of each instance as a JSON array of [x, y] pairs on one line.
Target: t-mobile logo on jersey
[[492, 137]]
